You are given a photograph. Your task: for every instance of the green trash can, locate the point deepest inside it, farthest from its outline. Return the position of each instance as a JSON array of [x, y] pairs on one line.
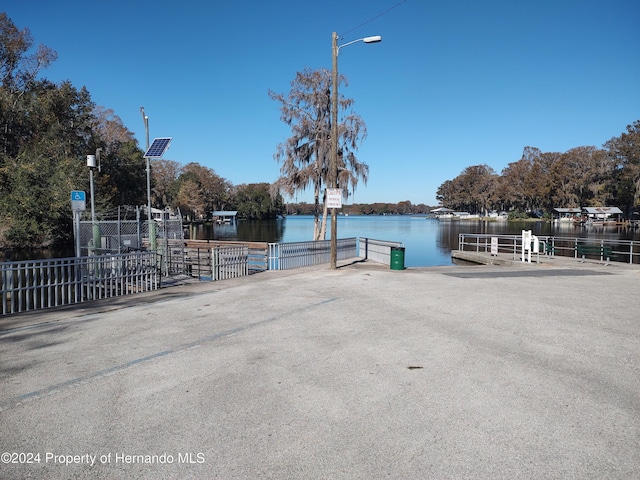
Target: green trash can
[[397, 258]]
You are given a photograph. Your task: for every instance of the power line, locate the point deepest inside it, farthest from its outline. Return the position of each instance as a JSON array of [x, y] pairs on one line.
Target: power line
[[372, 18]]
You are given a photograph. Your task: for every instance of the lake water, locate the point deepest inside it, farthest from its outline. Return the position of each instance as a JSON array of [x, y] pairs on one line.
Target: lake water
[[428, 242]]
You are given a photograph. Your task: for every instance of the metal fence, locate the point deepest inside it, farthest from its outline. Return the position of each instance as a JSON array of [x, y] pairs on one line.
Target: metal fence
[[174, 258], [123, 235], [230, 262], [284, 256], [218, 262], [377, 250], [37, 284], [112, 236], [614, 250]]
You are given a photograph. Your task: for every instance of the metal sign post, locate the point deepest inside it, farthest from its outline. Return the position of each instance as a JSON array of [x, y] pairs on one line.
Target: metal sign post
[[78, 205], [76, 230], [526, 245]]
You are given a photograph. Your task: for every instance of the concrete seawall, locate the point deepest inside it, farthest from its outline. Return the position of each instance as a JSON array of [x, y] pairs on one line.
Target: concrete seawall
[[503, 371]]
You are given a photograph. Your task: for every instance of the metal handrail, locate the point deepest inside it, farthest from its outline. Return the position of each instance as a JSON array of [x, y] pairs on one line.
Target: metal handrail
[[284, 256], [627, 251]]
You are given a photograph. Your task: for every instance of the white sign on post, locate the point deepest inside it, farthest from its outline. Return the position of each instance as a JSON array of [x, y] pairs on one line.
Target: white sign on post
[[334, 198], [494, 246], [526, 245]]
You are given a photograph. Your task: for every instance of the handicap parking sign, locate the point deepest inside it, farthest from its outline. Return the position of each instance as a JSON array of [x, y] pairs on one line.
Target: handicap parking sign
[[78, 200], [77, 195]]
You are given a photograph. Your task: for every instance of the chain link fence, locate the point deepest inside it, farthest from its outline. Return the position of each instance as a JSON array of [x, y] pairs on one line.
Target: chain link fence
[[121, 235]]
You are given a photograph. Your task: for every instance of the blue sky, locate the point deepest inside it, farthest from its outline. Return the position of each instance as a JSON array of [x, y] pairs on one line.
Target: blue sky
[[453, 83]]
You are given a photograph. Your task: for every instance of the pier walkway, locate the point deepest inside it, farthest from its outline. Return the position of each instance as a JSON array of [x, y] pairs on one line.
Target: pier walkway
[[487, 372]]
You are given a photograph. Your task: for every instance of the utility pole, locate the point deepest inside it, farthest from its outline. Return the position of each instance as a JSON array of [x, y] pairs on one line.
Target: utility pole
[[335, 50]]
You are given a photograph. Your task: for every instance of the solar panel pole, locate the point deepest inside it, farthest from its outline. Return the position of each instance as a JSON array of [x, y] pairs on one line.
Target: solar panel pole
[[93, 162], [152, 225]]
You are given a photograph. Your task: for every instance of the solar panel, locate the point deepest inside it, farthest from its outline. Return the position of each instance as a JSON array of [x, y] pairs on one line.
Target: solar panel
[[158, 147]]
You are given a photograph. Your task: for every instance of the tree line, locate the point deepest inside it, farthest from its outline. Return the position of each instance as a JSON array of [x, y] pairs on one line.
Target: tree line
[[377, 208], [540, 181]]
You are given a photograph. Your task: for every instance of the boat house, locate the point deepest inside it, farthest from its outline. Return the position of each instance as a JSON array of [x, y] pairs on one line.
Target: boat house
[[567, 214], [602, 215], [225, 217]]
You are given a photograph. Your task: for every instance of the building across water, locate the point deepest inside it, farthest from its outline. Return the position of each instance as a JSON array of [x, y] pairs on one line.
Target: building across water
[[224, 217]]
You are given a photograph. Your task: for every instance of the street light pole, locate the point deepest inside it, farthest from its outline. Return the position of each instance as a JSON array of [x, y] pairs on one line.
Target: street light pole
[[335, 50], [334, 147]]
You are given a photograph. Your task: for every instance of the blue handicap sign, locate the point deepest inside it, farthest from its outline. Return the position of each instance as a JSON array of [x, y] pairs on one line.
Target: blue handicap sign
[[77, 196]]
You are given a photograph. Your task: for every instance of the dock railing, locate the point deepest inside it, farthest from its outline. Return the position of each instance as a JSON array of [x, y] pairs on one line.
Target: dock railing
[[38, 284], [605, 250], [284, 256], [376, 250]]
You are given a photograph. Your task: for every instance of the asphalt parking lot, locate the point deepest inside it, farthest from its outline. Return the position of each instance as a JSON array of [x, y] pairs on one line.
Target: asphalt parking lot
[[528, 371]]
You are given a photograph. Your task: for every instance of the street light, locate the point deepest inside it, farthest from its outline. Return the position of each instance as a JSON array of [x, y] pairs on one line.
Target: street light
[[335, 50]]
